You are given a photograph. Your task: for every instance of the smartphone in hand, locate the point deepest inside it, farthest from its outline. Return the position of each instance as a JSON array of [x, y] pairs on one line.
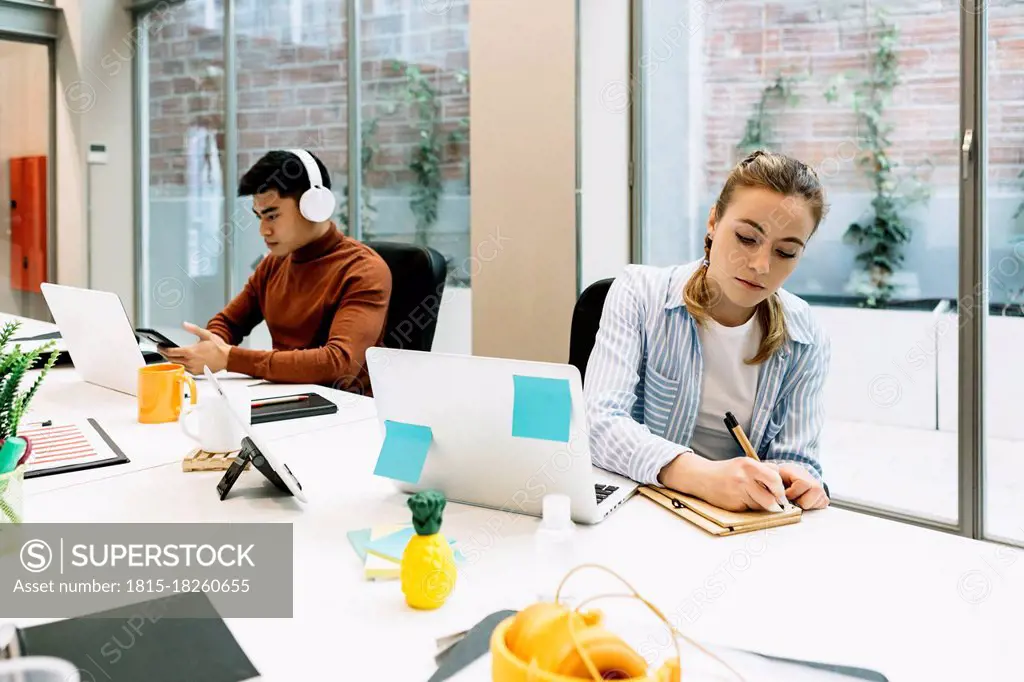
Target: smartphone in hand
[[155, 337]]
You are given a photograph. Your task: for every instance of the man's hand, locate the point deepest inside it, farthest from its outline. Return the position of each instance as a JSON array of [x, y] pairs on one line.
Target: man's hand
[[737, 484], [802, 488], [211, 351]]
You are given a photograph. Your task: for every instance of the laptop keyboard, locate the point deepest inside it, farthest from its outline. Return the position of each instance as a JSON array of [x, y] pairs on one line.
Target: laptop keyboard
[[603, 491]]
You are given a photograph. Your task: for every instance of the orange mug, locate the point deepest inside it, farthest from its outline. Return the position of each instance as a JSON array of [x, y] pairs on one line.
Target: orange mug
[[162, 392]]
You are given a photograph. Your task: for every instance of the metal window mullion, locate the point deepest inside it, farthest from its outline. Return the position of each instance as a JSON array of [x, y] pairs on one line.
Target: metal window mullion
[[51, 171], [355, 121], [140, 123], [578, 156], [973, 285], [230, 146], [637, 152]]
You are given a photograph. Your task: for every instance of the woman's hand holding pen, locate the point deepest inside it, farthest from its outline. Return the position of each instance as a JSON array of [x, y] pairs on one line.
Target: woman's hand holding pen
[[802, 488], [738, 484]]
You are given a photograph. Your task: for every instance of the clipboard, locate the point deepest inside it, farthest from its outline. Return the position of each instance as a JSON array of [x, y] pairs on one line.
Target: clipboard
[[108, 455], [715, 520]]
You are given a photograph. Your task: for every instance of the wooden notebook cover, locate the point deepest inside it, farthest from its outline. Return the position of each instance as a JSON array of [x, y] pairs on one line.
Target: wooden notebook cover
[[716, 520]]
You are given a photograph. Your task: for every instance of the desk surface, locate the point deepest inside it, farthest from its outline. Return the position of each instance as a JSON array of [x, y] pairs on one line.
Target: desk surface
[[839, 587]]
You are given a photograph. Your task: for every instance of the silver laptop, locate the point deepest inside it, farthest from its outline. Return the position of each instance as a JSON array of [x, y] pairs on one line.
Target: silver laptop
[[468, 402], [95, 331]]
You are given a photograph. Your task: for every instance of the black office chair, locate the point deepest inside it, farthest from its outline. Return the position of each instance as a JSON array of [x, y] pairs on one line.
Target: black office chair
[[418, 275], [586, 320]]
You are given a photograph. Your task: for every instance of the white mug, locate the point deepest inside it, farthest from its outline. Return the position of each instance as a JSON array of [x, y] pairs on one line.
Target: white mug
[[219, 431]]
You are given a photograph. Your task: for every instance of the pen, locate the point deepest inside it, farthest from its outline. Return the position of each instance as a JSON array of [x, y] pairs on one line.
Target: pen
[[279, 401], [736, 430]]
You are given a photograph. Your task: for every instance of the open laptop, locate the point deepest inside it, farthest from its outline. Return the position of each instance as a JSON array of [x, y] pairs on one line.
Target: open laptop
[[468, 402], [96, 332]]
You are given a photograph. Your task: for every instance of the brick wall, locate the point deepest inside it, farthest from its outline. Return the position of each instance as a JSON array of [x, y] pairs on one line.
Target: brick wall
[[748, 42], [293, 82]]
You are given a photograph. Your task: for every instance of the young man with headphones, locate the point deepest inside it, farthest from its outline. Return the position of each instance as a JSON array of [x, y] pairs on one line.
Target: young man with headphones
[[323, 295]]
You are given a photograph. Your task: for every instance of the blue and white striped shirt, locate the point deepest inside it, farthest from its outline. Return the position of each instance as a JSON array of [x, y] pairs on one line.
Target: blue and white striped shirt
[[643, 379]]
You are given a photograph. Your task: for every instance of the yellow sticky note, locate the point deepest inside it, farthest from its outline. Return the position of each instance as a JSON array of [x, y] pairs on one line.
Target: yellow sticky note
[[377, 567]]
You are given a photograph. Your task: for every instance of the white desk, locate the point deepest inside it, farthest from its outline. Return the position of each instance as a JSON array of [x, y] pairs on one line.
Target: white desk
[[64, 395], [838, 587]]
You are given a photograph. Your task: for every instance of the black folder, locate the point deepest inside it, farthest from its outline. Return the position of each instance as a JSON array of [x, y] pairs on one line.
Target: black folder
[[171, 639]]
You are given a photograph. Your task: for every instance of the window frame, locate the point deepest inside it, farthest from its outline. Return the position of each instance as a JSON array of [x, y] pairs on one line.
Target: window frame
[[972, 258]]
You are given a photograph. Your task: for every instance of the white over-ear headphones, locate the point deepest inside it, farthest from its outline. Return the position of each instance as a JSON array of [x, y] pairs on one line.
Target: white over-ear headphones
[[317, 203]]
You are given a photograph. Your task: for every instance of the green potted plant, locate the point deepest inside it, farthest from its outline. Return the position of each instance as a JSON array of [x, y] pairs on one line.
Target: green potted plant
[[14, 363], [884, 232], [14, 402]]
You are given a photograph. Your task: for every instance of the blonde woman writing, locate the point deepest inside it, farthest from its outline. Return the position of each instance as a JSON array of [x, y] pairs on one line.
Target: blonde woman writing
[[679, 347]]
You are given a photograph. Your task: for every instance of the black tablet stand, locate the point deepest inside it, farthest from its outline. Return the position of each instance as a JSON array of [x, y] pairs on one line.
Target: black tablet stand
[[250, 453]]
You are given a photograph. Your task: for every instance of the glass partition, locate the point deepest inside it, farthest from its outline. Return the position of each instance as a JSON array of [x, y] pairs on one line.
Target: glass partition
[[868, 94], [183, 272]]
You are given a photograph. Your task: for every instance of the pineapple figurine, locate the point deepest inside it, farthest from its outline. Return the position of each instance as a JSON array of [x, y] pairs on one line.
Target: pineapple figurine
[[428, 563]]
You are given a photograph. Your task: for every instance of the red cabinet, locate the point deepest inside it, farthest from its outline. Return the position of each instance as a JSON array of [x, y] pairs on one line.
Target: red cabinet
[[28, 222]]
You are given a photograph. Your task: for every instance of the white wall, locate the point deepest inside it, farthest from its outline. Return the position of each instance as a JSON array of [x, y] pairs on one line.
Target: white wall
[[883, 366], [1004, 376], [94, 104], [454, 333], [24, 131], [899, 368], [605, 98], [675, 185]]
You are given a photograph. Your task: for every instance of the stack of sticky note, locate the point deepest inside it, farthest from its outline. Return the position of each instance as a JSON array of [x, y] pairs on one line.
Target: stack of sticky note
[[375, 566], [380, 549]]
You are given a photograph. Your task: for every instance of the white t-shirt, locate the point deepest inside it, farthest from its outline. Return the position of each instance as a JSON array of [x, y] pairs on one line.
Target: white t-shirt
[[728, 384]]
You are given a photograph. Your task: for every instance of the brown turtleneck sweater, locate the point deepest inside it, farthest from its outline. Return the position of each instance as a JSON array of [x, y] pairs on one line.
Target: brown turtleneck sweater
[[324, 304]]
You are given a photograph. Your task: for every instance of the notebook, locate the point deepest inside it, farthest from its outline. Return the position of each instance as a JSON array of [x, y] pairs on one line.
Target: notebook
[[715, 520], [315, 405], [175, 638]]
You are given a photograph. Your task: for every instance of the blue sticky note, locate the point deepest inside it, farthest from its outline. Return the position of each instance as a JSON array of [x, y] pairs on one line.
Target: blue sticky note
[[542, 408], [359, 540], [393, 546], [404, 451]]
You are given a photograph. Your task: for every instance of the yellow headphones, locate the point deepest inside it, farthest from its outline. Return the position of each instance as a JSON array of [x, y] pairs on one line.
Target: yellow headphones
[[549, 642]]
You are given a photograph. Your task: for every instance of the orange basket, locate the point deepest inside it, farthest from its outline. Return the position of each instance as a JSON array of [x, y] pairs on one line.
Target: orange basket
[[551, 642]]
